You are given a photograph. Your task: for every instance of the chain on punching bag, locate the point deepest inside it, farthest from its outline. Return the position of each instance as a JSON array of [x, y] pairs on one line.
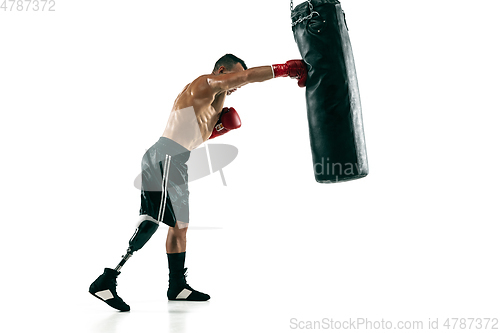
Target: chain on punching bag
[[333, 103]]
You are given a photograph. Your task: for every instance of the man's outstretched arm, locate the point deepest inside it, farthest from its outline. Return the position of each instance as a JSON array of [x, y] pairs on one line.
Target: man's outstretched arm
[[230, 81], [292, 68]]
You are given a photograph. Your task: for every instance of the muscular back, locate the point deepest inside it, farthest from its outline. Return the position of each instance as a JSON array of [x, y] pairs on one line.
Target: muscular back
[[194, 113]]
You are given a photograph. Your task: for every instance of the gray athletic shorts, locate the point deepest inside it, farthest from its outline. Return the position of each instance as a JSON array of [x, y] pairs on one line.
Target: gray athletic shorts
[[164, 189]]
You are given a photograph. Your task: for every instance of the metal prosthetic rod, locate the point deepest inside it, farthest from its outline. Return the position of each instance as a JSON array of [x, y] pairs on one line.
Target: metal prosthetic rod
[[142, 234], [124, 260]]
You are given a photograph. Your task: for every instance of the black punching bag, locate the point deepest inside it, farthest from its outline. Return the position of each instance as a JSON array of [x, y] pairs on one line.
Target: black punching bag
[[333, 103]]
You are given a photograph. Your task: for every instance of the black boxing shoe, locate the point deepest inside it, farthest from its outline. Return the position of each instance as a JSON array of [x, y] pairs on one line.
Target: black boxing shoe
[[104, 288], [179, 290]]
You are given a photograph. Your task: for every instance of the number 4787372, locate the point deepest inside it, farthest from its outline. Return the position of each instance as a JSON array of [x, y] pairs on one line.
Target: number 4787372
[[28, 5]]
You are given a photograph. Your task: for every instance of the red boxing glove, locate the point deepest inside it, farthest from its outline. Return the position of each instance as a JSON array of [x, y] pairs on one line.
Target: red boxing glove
[[228, 120], [293, 68]]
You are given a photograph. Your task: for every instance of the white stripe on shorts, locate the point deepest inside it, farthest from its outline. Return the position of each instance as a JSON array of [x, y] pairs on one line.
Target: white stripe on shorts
[[163, 203]]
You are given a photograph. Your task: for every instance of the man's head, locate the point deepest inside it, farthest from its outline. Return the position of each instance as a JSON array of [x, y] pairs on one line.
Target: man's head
[[229, 63]]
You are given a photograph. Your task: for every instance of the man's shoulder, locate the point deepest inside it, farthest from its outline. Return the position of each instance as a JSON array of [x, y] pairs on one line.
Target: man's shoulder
[[200, 86], [202, 79]]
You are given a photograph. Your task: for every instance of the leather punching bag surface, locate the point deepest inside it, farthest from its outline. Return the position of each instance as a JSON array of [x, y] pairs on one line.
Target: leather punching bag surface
[[333, 103]]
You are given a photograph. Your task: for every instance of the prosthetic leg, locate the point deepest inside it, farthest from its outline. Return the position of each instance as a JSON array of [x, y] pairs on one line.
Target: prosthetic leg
[[142, 234], [104, 287]]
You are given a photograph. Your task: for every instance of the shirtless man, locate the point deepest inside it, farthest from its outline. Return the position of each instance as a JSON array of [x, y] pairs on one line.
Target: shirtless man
[[197, 115]]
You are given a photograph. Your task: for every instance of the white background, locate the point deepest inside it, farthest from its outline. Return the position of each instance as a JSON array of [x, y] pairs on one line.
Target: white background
[[85, 90]]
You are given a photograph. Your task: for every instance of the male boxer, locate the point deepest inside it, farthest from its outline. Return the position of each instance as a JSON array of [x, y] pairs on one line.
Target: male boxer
[[197, 115]]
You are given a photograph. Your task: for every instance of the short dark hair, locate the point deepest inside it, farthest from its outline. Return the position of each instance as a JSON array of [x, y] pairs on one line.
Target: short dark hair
[[229, 61]]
